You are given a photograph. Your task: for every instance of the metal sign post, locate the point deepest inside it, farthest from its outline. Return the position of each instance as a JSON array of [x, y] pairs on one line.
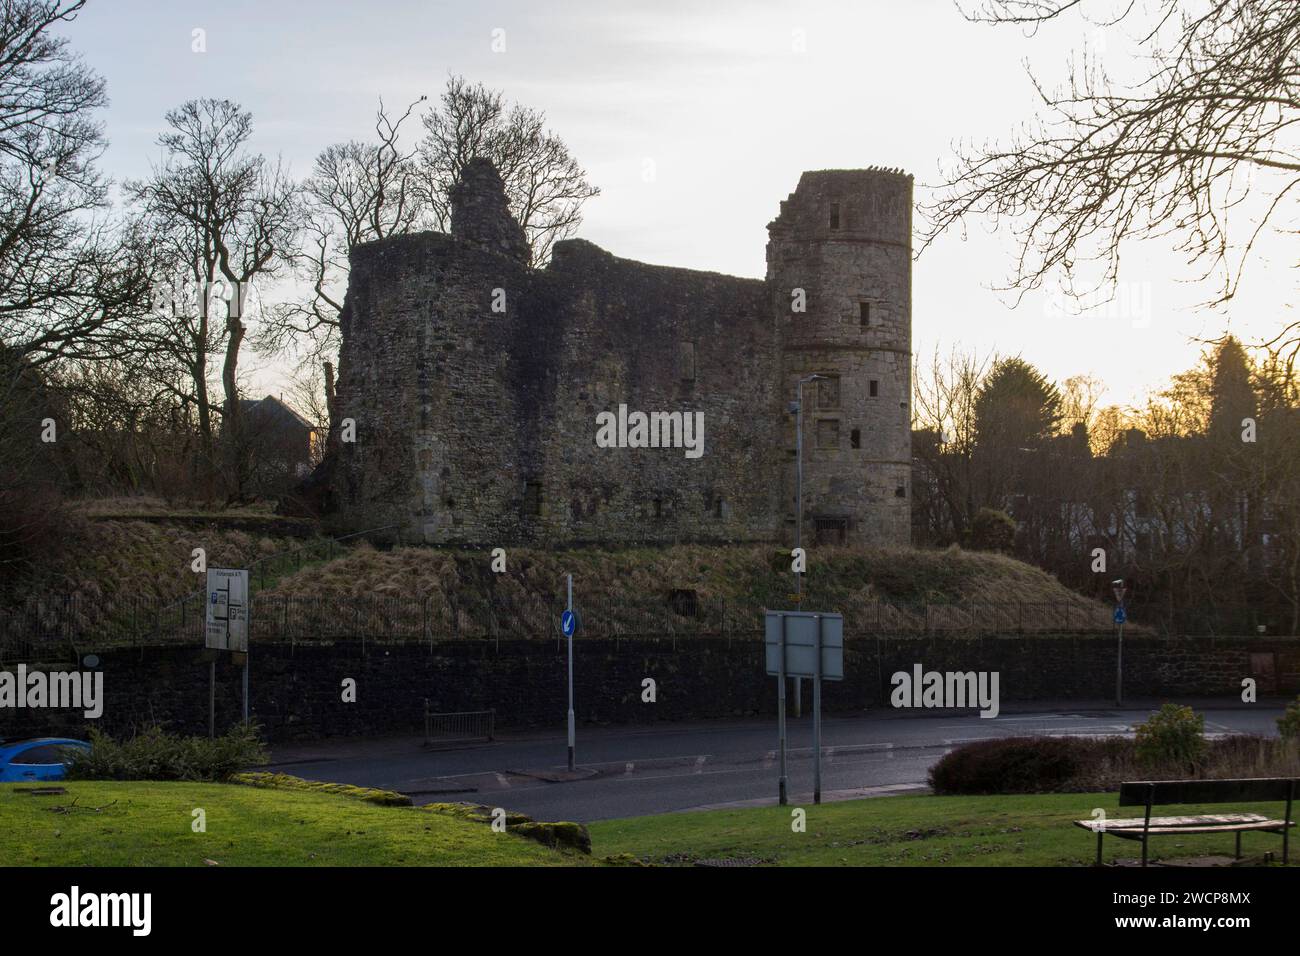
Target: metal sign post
[[817, 718], [226, 629], [212, 698], [803, 644], [1120, 617], [569, 624], [780, 714]]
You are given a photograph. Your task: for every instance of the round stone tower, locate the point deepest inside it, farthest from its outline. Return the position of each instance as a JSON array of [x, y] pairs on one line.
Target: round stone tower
[[839, 266]]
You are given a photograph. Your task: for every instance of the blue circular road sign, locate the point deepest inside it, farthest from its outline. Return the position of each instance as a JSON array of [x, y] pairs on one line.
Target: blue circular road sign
[[568, 623], [1120, 617]]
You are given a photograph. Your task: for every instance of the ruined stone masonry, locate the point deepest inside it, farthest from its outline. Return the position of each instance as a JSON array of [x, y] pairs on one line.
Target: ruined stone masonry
[[475, 380]]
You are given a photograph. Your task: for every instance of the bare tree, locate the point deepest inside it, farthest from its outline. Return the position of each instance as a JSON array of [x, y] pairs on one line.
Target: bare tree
[[1080, 402], [1202, 139], [545, 185], [357, 192], [70, 280], [69, 283], [230, 217], [943, 409]]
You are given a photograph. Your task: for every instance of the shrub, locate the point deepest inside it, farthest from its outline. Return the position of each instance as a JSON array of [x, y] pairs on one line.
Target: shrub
[[1087, 765], [154, 754], [1288, 725], [1009, 765], [992, 530], [1173, 735]]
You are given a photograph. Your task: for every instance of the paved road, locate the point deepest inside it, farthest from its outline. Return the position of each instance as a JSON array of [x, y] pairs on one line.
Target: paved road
[[657, 769]]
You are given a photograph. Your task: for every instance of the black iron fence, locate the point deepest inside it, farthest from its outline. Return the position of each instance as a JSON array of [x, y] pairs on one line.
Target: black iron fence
[[58, 626], [458, 727]]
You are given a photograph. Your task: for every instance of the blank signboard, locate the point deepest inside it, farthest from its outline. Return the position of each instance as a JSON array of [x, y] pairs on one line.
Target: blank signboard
[[801, 643]]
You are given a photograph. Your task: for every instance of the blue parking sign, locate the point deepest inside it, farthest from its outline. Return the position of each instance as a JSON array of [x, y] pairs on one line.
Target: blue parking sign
[[1120, 617]]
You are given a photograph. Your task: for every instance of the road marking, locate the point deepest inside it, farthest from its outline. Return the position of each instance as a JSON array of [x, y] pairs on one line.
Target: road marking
[[699, 764], [501, 779], [628, 768]]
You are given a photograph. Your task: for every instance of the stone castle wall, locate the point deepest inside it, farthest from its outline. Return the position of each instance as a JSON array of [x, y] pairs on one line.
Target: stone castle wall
[[844, 238], [475, 381]]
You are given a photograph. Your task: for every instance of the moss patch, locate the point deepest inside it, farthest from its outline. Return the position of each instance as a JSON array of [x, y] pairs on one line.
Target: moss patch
[[573, 836], [284, 781]]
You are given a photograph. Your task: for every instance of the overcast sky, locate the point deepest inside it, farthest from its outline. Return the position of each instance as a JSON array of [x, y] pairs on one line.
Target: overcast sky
[[724, 102]]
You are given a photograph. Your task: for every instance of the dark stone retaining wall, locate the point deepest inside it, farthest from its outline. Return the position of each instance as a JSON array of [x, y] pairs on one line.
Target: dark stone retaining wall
[[297, 689]]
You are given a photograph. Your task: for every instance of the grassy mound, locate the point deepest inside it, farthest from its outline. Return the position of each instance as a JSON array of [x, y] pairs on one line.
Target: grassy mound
[[152, 824], [699, 580], [105, 560]]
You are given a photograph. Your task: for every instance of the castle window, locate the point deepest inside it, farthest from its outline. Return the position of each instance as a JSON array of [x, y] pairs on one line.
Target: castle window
[[835, 215], [720, 507], [900, 491], [828, 433], [686, 361], [659, 507], [828, 392], [855, 438], [532, 498], [875, 388], [864, 314]]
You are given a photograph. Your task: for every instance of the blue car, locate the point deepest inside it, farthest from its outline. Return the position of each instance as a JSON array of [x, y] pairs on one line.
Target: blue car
[[36, 758]]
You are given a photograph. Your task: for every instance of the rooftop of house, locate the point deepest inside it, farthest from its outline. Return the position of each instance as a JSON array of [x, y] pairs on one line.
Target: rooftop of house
[[275, 410]]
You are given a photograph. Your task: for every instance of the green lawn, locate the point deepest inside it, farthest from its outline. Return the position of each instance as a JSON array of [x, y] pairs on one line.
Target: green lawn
[[1023, 830], [150, 825]]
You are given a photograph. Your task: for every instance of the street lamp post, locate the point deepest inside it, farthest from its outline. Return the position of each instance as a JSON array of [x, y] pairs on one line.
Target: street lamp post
[[797, 408]]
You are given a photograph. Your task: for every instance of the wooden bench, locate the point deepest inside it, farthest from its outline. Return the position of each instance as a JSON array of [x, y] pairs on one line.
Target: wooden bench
[[1153, 793]]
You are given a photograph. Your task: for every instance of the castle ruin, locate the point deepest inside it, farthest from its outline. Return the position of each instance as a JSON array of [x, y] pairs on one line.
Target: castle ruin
[[476, 383]]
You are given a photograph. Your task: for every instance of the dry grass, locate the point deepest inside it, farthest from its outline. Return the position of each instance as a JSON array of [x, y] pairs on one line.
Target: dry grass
[[126, 506], [962, 589], [145, 559], [114, 567]]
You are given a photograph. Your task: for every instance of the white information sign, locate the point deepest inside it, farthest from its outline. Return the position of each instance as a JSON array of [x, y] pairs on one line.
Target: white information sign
[[227, 609]]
